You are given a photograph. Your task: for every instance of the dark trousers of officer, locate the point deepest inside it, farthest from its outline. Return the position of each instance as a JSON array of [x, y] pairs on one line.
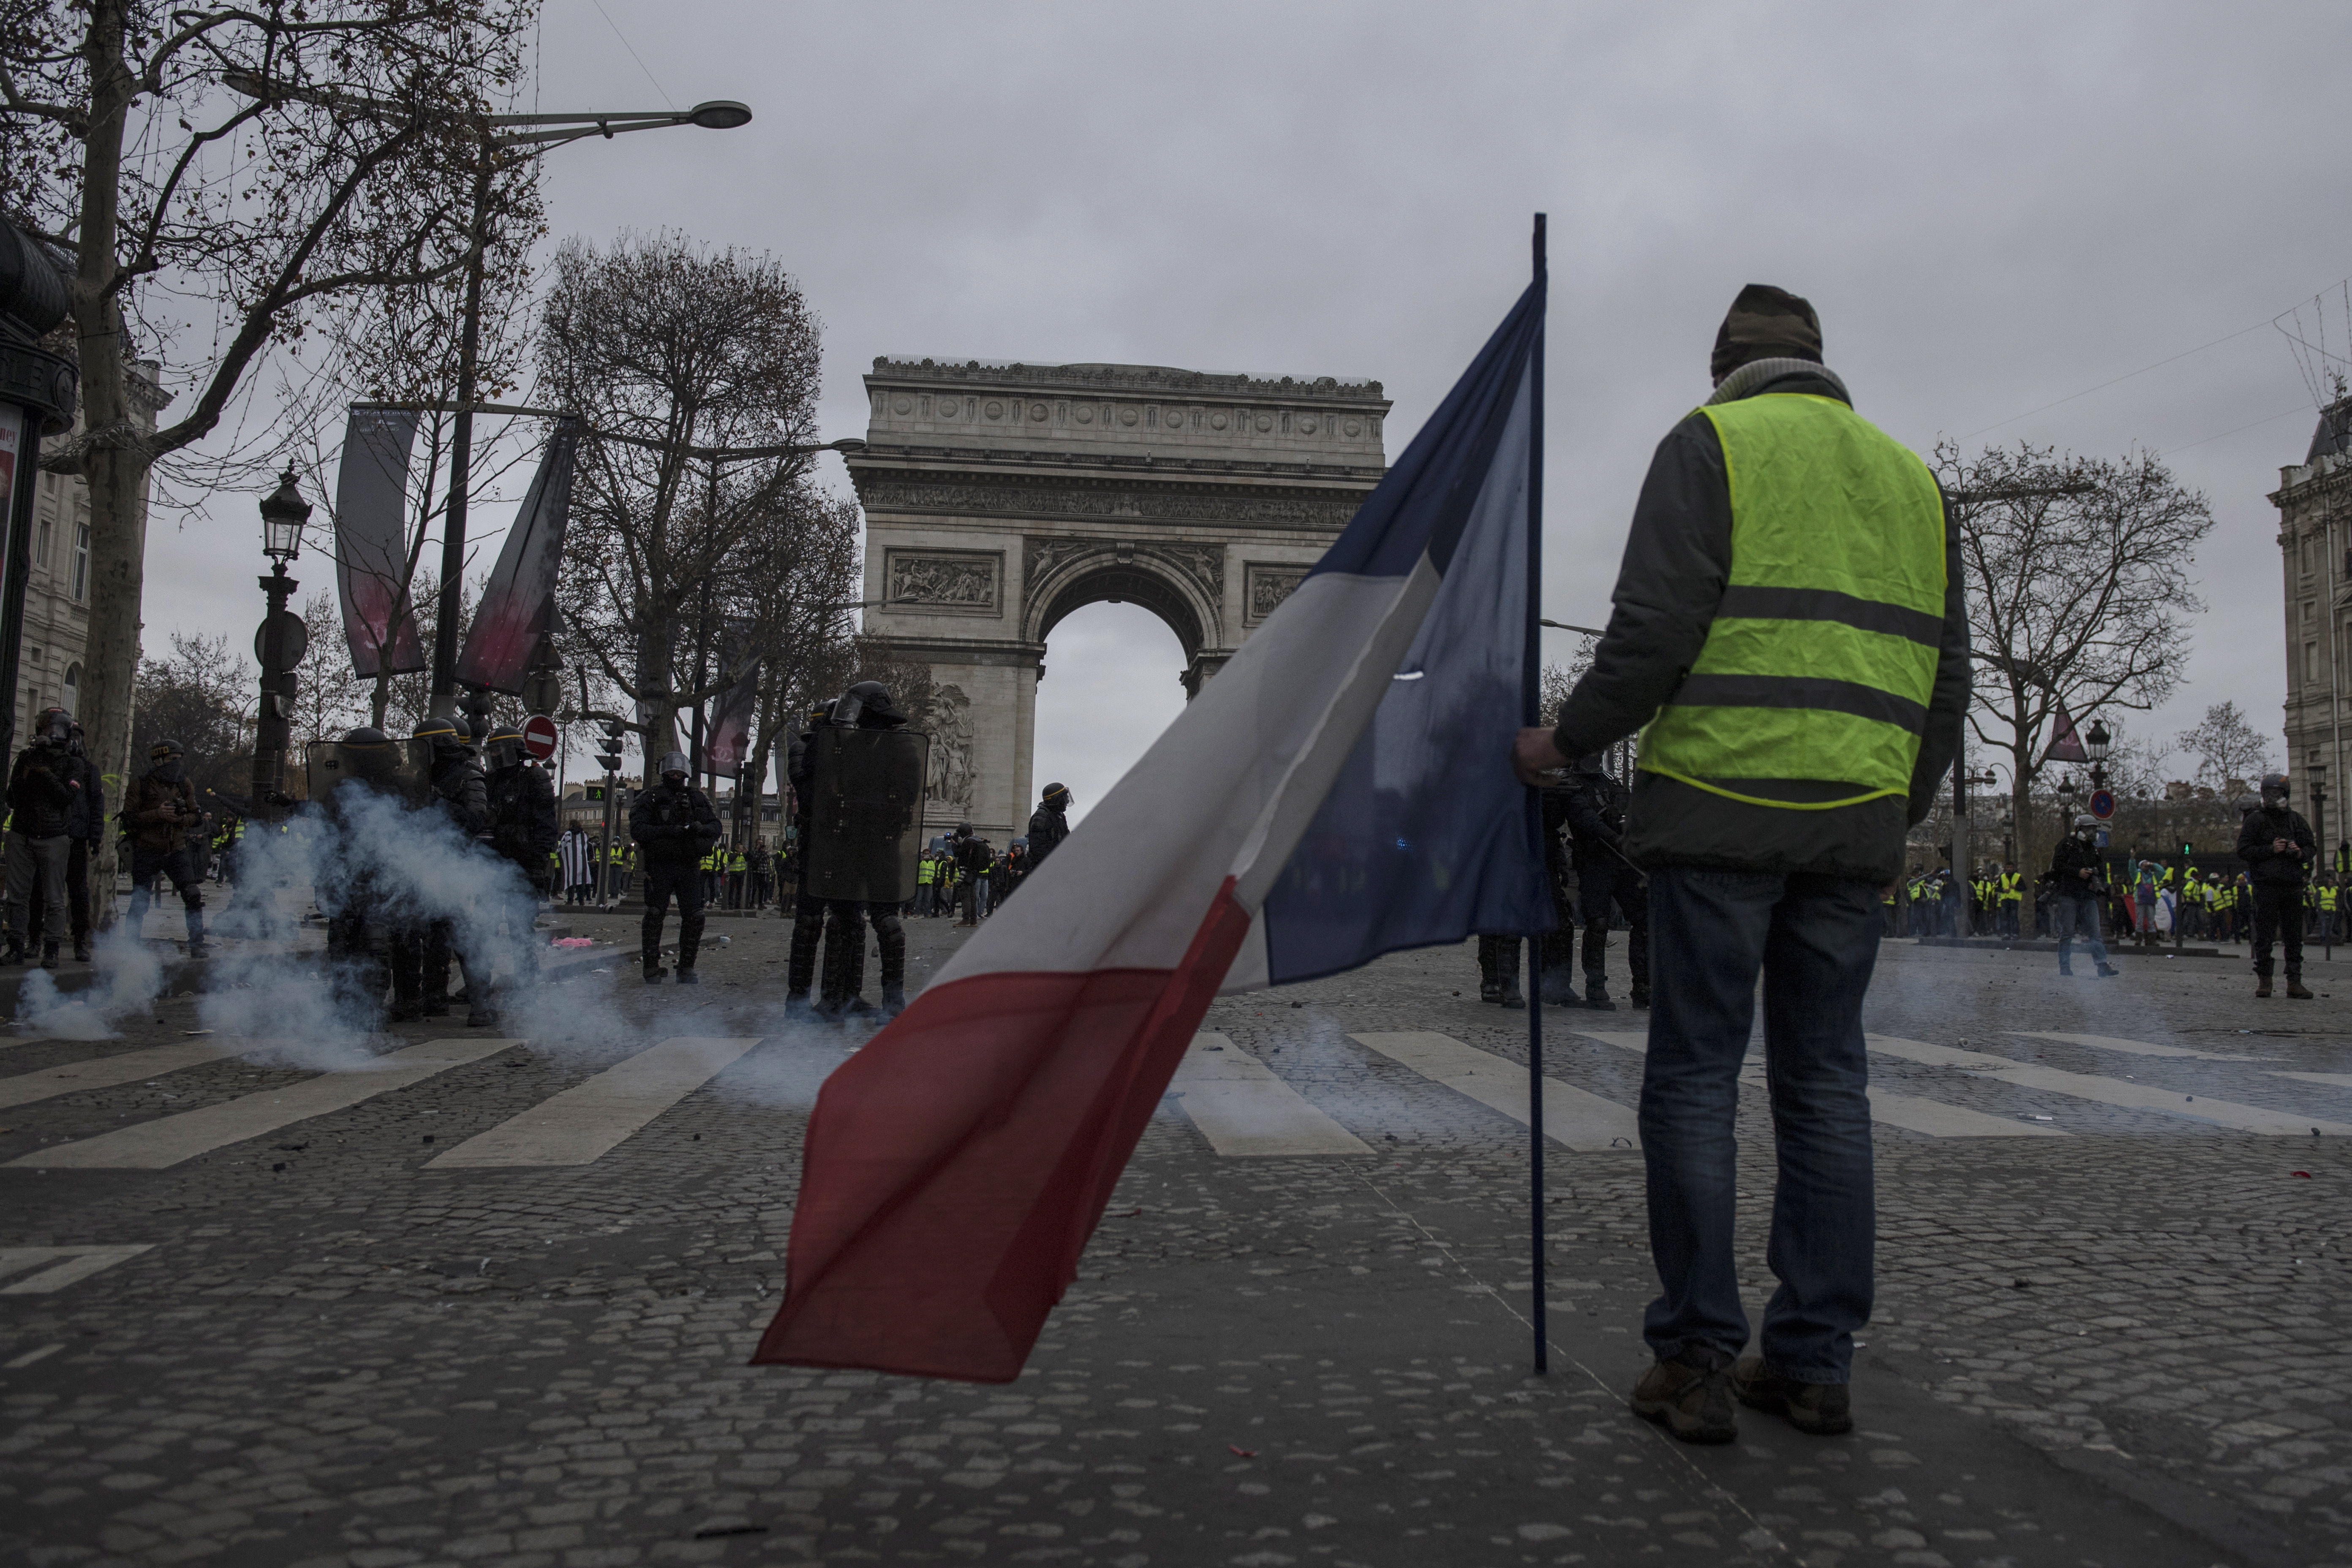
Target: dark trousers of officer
[[845, 950], [2278, 916], [808, 929], [1557, 981], [1603, 884], [180, 866], [661, 881]]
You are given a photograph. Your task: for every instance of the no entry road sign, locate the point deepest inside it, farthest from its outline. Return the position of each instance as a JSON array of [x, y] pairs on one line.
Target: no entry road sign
[[538, 736]]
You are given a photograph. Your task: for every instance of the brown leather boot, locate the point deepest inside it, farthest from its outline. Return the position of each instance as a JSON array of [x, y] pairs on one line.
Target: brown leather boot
[[2294, 988], [2262, 986]]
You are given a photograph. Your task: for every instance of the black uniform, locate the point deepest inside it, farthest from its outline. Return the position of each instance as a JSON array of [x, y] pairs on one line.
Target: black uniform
[[672, 826], [2277, 879], [523, 823], [842, 922], [1596, 821], [421, 947], [1049, 825]]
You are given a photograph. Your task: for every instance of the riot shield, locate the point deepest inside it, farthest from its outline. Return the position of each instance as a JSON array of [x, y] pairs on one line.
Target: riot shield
[[866, 810], [402, 769]]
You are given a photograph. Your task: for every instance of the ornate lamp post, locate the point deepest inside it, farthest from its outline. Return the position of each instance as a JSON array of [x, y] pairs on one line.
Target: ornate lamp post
[[279, 643], [2096, 744]]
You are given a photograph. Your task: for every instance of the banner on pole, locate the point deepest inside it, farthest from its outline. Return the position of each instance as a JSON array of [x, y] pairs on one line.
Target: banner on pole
[[371, 563], [2066, 744], [515, 614]]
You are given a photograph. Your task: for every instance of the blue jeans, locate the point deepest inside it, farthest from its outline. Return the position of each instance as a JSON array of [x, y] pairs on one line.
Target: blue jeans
[[2067, 918], [1814, 939]]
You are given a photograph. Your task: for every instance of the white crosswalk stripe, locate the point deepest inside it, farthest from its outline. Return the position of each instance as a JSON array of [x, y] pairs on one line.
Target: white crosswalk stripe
[[66, 1265], [2139, 1048], [2115, 1091], [1573, 1117], [2332, 1080], [167, 1140], [591, 1119], [1243, 1108], [1912, 1114], [112, 1073]]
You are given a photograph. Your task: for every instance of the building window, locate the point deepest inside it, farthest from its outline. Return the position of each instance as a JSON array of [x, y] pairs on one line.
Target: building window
[[41, 544], [71, 702], [80, 561], [2310, 663]]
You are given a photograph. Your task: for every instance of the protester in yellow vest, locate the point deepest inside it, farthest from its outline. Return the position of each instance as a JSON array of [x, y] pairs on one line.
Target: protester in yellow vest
[[1789, 628]]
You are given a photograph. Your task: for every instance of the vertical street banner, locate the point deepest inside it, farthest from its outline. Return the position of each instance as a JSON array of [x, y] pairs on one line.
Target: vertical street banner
[[1341, 790], [729, 744], [372, 543], [512, 618], [2066, 744]]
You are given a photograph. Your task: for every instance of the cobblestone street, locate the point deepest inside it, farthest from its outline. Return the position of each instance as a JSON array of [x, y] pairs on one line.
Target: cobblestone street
[[491, 1302]]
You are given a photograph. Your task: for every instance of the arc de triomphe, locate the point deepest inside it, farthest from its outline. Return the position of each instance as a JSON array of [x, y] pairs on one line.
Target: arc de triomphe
[[1000, 497]]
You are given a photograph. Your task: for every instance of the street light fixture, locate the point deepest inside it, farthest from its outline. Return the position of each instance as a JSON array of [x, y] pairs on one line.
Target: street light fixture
[[280, 642]]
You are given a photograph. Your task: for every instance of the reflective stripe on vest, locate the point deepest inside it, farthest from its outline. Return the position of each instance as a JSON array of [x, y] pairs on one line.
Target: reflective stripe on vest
[[1823, 655]]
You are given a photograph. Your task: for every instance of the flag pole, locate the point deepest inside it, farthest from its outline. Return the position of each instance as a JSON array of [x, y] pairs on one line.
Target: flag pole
[[1531, 704]]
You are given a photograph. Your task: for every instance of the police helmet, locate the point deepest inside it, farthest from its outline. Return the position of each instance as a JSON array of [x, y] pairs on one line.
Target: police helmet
[[675, 763], [1056, 789], [2274, 787], [867, 706], [504, 747], [2085, 820], [441, 730]]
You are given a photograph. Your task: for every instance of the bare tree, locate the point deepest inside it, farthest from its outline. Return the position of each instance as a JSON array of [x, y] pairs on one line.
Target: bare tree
[[217, 205], [201, 695], [663, 347], [2226, 747], [329, 698], [2077, 600]]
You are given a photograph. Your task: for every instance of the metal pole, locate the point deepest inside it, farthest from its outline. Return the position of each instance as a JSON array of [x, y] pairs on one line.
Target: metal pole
[[1530, 681], [273, 727], [461, 456], [24, 496]]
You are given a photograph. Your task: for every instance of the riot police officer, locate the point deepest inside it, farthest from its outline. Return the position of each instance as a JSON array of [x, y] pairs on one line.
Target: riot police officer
[[460, 794], [673, 824], [1596, 822], [523, 826], [369, 761], [861, 772]]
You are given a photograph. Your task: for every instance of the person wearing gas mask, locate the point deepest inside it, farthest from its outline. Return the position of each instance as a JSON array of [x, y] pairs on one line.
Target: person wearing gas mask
[[1596, 824], [461, 797], [843, 850], [2278, 847], [162, 813], [673, 827], [2077, 886], [43, 789]]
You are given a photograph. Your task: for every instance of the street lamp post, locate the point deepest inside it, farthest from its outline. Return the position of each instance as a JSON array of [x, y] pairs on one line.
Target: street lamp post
[[279, 643], [2318, 772]]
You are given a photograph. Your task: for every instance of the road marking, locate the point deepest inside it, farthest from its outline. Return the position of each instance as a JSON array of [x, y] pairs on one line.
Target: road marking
[[2140, 1048], [1572, 1116], [111, 1072], [153, 1145], [593, 1118], [18, 1363], [2332, 1080], [68, 1264], [1910, 1112], [1241, 1108], [2113, 1090]]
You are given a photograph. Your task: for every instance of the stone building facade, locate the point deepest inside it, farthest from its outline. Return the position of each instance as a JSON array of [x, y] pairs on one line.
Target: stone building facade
[[999, 498], [2314, 504], [57, 593]]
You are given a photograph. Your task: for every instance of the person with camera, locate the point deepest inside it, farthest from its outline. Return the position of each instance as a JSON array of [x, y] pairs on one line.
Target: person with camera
[[162, 812], [2076, 885]]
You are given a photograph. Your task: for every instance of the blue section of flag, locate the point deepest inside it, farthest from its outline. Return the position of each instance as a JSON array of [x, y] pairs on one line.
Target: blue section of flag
[[1425, 500], [1426, 834]]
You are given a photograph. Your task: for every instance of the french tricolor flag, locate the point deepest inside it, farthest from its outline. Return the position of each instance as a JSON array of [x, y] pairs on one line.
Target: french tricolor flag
[[1341, 789]]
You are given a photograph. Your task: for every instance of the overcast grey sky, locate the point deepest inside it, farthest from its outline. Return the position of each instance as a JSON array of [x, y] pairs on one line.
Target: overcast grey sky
[[1992, 206]]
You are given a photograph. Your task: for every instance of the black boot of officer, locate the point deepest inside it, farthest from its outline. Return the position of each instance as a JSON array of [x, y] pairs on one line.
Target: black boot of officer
[[1498, 971]]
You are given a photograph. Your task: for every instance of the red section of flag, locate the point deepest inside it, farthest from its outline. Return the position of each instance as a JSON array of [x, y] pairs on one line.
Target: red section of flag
[[2065, 745], [956, 1165]]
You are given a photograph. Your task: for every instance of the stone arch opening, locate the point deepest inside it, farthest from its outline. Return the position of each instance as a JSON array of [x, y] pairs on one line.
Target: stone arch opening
[[1129, 584]]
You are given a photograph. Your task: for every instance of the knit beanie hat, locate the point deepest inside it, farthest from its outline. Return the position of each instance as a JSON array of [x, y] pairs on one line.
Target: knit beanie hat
[[1766, 322]]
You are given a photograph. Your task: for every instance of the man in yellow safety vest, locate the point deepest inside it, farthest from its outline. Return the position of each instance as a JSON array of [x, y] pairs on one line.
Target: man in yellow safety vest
[[1790, 637]]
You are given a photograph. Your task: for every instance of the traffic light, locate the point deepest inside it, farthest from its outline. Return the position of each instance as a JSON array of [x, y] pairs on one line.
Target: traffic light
[[608, 754]]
